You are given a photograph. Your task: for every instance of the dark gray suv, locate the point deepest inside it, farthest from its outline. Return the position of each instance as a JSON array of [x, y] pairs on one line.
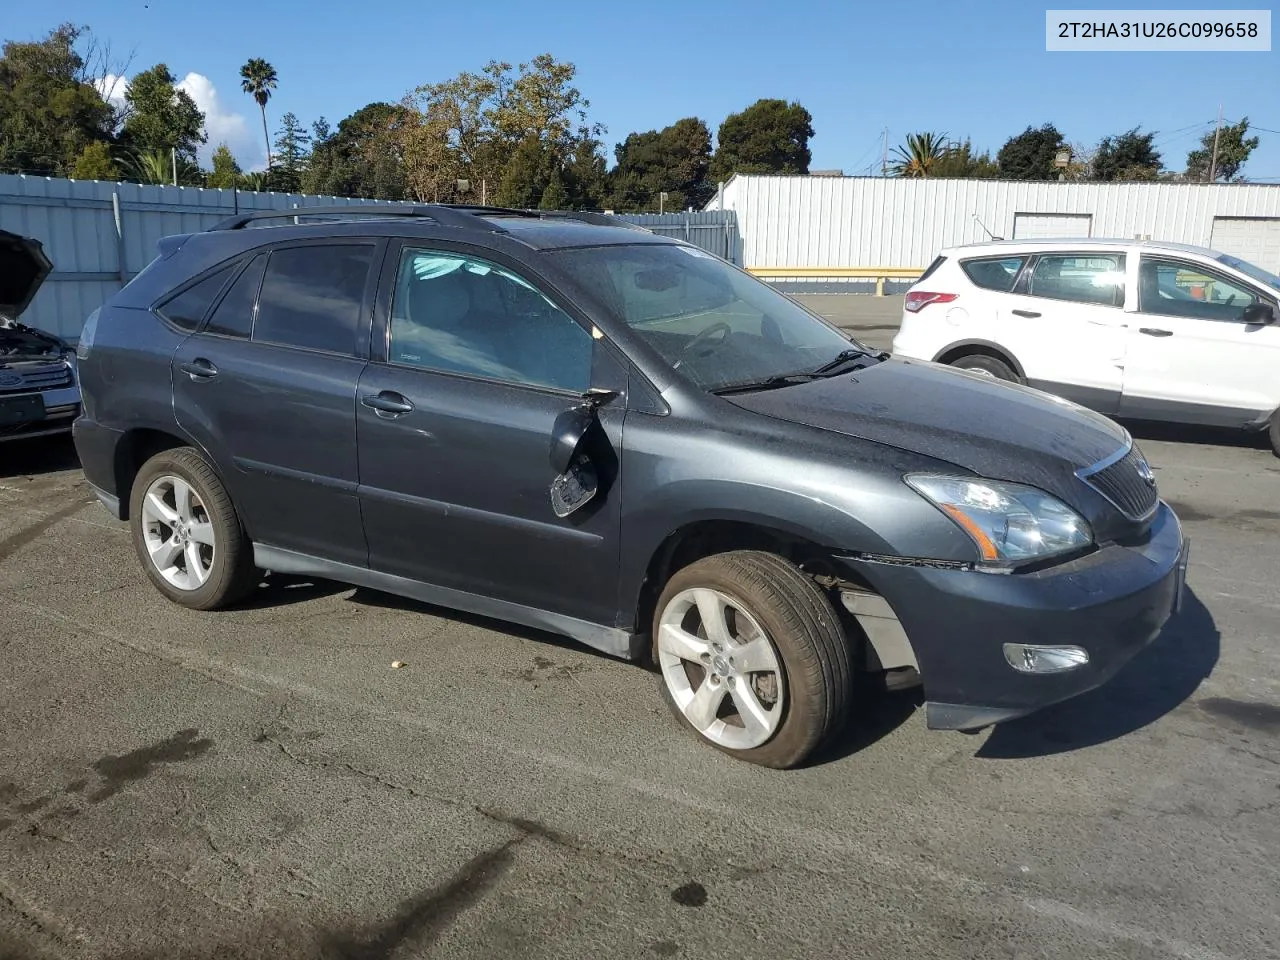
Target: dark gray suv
[[568, 423]]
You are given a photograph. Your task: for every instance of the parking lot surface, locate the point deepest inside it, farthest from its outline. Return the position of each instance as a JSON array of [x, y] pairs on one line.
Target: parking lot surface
[[262, 783]]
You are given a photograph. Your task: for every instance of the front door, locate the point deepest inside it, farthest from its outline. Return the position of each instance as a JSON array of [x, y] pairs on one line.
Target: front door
[[1192, 357], [1064, 322], [454, 424], [268, 387]]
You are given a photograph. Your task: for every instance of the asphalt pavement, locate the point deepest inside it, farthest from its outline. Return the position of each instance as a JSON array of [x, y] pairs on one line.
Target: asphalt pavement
[[263, 783]]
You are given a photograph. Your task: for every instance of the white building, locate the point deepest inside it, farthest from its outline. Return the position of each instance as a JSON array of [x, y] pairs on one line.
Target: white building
[[823, 230]]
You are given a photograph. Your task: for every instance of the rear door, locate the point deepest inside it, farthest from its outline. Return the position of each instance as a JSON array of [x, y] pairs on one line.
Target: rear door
[[268, 384], [1064, 322], [474, 363], [1191, 356]]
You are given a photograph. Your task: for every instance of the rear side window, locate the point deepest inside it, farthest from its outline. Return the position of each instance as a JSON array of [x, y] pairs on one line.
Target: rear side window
[[312, 296], [994, 273], [189, 307], [1096, 278], [929, 271], [233, 317]]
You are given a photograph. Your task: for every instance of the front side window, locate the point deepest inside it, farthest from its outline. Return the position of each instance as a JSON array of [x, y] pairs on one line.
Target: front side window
[[460, 314], [1081, 278], [1173, 288], [994, 273], [312, 296], [715, 323], [188, 308]]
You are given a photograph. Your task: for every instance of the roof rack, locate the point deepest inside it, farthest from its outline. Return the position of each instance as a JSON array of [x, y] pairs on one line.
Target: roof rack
[[465, 216], [440, 213]]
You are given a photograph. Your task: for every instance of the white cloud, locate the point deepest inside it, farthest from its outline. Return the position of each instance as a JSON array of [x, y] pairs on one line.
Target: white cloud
[[224, 125], [113, 89]]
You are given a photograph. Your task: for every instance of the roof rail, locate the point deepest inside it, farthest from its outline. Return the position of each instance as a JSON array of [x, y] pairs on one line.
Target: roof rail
[[442, 214], [599, 219]]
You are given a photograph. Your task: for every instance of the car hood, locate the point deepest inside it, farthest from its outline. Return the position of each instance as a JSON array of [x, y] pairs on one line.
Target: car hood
[[998, 430], [23, 268]]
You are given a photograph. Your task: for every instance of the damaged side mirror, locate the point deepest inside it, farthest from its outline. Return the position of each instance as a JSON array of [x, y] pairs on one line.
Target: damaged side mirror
[[576, 478]]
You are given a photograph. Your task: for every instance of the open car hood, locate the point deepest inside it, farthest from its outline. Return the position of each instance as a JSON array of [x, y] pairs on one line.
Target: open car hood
[[23, 268]]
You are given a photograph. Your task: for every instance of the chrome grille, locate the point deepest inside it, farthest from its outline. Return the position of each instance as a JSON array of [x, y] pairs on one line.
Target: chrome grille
[[40, 378], [1126, 481]]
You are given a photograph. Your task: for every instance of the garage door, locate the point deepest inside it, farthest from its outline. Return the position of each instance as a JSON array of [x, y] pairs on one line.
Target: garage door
[[1050, 226], [1256, 239]]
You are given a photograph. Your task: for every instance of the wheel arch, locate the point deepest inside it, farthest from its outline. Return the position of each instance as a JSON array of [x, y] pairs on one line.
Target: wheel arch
[[988, 348]]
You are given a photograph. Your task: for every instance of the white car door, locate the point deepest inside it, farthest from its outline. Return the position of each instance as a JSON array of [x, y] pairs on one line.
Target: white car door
[[1192, 356], [1064, 322]]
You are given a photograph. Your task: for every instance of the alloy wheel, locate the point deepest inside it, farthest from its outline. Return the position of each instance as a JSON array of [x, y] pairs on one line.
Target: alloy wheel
[[177, 531]]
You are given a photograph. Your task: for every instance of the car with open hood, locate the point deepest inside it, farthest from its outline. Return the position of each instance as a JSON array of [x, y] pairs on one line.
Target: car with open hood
[[39, 394], [562, 421]]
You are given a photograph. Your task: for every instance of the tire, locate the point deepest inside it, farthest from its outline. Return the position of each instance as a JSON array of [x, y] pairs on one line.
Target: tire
[[988, 365], [1275, 433], [812, 668], [227, 573]]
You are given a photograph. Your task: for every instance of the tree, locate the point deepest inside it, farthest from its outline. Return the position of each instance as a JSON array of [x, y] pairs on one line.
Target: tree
[[1127, 156], [919, 156], [770, 136], [49, 112], [162, 117], [157, 167], [226, 172], [255, 180], [960, 161], [1233, 150], [292, 143], [358, 159], [95, 163], [675, 160], [1031, 154], [258, 78]]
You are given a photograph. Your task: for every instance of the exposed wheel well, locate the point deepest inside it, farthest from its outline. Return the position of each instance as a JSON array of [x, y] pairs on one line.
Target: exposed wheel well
[[951, 354], [134, 449], [705, 538]]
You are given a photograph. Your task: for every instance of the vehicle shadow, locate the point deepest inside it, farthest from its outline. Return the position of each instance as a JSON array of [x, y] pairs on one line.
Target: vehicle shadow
[[1155, 682], [876, 713], [21, 458], [1205, 436]]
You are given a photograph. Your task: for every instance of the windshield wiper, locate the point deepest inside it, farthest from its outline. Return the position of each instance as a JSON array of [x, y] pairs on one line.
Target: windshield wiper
[[839, 360], [768, 383]]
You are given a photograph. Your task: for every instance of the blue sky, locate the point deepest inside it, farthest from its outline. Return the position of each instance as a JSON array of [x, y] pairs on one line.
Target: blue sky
[[975, 69]]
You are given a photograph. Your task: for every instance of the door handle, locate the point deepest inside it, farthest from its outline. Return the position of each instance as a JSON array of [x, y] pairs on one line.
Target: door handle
[[199, 369], [388, 403], [1025, 313], [1155, 332]]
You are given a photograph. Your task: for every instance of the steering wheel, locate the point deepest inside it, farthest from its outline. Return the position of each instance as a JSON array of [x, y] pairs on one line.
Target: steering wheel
[[705, 334]]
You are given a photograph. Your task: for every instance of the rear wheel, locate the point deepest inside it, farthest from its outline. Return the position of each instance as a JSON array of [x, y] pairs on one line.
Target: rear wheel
[[752, 657], [987, 366], [1275, 433], [187, 534]]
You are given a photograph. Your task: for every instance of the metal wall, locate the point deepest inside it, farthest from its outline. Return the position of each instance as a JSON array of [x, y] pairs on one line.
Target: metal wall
[[712, 230], [878, 222]]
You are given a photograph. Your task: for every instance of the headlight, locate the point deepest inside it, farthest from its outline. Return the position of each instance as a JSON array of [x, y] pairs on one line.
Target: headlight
[[1008, 522]]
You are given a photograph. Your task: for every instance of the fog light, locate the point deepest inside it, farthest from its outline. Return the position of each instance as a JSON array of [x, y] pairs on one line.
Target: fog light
[[1030, 658]]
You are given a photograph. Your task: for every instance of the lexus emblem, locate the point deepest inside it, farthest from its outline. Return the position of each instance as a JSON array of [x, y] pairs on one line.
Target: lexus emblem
[[9, 380], [1145, 472]]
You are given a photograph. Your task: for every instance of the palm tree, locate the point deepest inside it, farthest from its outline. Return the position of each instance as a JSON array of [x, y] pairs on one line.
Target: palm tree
[[919, 156], [155, 167], [258, 79]]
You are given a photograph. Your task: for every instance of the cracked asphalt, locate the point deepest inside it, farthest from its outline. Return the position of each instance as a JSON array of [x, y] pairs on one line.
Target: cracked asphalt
[[261, 783]]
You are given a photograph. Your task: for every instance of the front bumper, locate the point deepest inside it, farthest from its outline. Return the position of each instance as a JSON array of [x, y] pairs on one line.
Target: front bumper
[[1112, 603], [56, 410]]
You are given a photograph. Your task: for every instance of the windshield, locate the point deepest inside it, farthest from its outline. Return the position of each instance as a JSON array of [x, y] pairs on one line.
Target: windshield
[[713, 322], [1244, 266]]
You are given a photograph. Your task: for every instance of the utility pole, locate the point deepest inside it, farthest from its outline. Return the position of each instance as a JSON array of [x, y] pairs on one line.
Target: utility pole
[[1213, 162], [884, 156], [173, 157]]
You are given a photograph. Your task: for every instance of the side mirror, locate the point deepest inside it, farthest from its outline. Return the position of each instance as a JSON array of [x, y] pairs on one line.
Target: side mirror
[[576, 481], [1259, 313]]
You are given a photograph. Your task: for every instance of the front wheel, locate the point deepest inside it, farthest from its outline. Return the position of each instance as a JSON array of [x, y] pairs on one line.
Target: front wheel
[[752, 657], [187, 534], [1275, 433]]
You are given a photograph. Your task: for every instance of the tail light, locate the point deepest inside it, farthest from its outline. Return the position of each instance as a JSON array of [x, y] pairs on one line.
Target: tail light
[[918, 300]]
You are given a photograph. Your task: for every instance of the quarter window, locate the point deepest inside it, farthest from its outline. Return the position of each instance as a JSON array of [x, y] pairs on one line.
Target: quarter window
[[1172, 288], [1093, 278], [188, 308], [233, 317], [313, 296], [466, 315], [994, 273]]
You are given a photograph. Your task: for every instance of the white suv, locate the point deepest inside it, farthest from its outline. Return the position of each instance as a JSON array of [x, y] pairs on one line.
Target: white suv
[[1132, 329]]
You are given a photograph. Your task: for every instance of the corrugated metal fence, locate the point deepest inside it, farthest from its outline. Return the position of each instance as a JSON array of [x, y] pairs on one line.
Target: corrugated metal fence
[[99, 235]]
